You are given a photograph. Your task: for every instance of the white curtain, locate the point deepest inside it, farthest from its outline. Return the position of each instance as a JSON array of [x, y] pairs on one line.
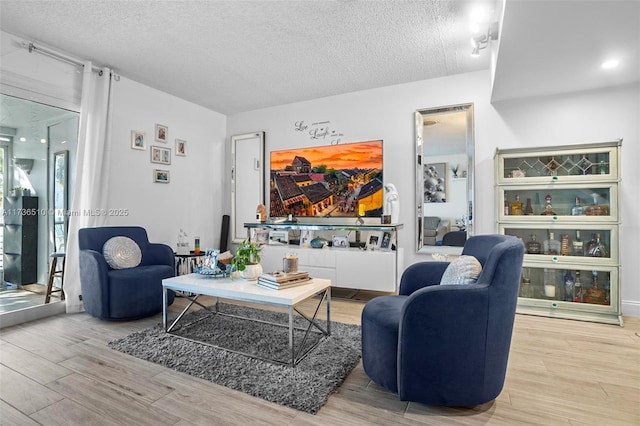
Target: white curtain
[[92, 172]]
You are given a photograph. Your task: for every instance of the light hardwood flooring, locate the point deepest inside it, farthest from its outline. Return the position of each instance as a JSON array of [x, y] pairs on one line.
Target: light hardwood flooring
[[59, 371]]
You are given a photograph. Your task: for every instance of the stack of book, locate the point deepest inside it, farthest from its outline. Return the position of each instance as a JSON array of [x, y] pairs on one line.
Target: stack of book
[[279, 280]]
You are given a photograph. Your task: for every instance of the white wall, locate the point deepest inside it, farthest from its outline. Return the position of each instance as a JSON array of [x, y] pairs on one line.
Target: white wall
[[387, 113], [192, 199]]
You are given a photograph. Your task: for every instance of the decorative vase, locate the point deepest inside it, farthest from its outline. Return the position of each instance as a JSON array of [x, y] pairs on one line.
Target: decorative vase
[[251, 272]]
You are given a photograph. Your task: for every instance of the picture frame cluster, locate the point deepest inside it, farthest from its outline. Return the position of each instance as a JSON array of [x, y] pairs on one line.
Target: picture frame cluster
[[159, 154]]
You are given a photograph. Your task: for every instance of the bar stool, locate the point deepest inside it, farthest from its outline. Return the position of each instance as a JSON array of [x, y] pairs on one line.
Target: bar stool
[[55, 273]]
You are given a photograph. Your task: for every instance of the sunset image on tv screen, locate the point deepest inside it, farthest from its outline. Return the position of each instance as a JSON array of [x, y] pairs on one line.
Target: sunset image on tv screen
[[343, 180]]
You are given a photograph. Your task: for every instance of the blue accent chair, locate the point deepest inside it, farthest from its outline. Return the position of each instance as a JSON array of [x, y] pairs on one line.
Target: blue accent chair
[[123, 294], [446, 345]]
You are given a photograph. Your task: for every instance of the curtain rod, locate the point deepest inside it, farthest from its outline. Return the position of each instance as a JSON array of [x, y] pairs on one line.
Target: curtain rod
[[56, 55]]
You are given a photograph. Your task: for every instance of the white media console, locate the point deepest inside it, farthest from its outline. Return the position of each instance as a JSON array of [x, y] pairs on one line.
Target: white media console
[[350, 267]]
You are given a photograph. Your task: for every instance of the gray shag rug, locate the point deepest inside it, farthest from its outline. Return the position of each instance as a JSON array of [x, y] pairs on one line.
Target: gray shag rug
[[305, 387]]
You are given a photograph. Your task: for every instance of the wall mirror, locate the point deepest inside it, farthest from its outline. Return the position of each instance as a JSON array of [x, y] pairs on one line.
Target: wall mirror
[[60, 199], [444, 178], [247, 181]]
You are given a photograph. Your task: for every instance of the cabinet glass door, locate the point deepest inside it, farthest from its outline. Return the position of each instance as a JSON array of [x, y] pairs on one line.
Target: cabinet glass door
[[576, 164], [549, 203]]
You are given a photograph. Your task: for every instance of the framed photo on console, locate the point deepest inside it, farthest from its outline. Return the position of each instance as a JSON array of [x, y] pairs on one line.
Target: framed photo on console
[[278, 237], [385, 243], [340, 241], [305, 237], [373, 240]]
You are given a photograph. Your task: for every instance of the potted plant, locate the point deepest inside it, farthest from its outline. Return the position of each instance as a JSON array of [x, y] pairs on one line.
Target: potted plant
[[247, 260], [16, 191]]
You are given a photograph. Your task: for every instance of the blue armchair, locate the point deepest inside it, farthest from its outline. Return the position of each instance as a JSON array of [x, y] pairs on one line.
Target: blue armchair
[[123, 294], [446, 344]]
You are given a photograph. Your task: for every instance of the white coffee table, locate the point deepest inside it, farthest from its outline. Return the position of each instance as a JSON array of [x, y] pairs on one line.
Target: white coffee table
[[194, 285]]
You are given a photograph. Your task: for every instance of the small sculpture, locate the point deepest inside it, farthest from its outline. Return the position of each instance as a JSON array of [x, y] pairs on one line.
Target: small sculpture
[[261, 213], [392, 202]]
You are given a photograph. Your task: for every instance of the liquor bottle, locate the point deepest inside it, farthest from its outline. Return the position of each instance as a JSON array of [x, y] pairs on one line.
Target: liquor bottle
[[528, 209], [533, 245], [594, 294], [506, 207], [564, 245], [548, 209], [551, 246], [596, 209], [553, 287], [577, 289], [602, 168], [569, 286], [577, 245], [577, 209], [516, 207], [526, 289], [596, 247]]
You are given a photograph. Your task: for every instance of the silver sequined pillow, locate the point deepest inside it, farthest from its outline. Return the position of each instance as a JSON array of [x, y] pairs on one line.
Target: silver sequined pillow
[[121, 253], [463, 270]]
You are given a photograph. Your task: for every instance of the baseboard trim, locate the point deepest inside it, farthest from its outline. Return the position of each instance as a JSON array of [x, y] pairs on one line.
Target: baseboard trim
[[33, 313], [630, 308]]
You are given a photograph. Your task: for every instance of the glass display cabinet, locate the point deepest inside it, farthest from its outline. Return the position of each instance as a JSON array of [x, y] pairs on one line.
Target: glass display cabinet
[[563, 203]]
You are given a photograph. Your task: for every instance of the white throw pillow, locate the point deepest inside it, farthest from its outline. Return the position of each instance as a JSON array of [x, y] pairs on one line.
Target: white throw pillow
[[122, 253], [463, 270]]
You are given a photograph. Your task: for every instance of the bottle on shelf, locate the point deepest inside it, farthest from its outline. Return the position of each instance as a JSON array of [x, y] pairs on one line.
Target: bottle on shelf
[[528, 209], [533, 245], [569, 286], [551, 246], [548, 209], [577, 245], [596, 247], [594, 294], [577, 289], [553, 288], [506, 207], [526, 289], [596, 209], [577, 209], [564, 245], [602, 168], [516, 207]]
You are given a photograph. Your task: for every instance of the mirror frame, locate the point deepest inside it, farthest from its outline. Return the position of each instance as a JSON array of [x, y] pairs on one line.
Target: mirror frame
[[62, 194], [247, 181], [420, 115]]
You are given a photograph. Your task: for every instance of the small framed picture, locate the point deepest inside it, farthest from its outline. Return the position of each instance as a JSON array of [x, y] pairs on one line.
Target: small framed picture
[[161, 176], [138, 140], [385, 243], [340, 241], [260, 236], [160, 155], [374, 240], [181, 148], [161, 133], [278, 237], [306, 236]]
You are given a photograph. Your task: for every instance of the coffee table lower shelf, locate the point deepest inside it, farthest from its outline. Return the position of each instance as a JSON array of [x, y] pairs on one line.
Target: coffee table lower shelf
[[193, 286]]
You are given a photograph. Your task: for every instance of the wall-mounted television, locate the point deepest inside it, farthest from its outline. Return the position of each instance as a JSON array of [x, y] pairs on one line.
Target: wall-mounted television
[[342, 180]]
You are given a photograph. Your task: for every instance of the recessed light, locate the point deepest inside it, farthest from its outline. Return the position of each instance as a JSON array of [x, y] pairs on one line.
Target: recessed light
[[478, 14], [23, 139], [43, 140], [63, 142], [611, 63]]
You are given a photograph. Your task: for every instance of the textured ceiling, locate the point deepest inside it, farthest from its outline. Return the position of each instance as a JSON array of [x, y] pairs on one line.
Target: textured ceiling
[[234, 56]]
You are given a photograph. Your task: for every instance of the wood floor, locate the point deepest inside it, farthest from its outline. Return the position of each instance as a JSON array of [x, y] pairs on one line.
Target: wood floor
[[58, 371]]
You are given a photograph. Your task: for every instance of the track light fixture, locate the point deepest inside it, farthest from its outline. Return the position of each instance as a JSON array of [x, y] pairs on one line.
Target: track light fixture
[[480, 42]]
